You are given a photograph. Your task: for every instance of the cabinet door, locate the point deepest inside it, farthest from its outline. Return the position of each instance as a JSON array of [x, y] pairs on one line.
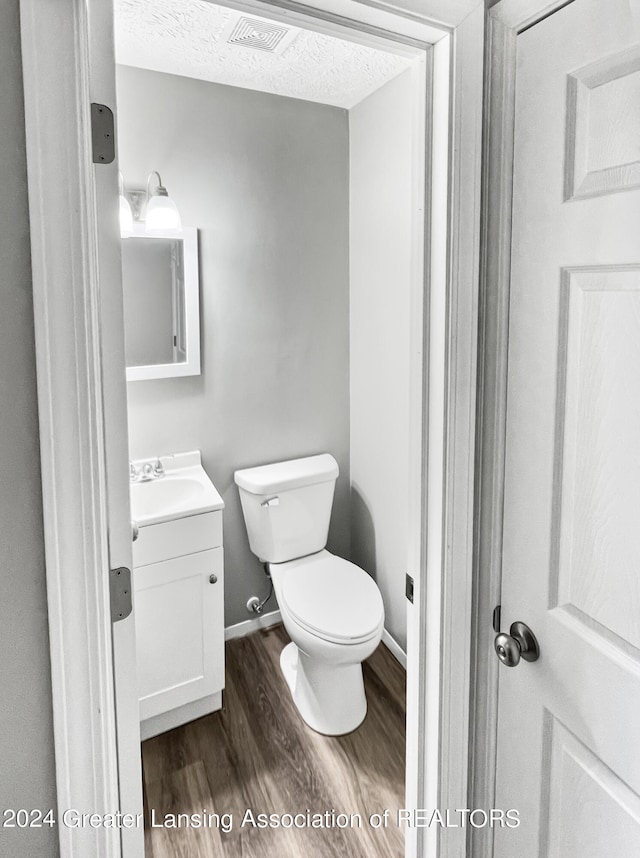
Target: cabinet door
[[179, 631]]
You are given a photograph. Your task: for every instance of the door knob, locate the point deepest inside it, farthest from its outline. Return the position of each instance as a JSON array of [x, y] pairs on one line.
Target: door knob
[[519, 643]]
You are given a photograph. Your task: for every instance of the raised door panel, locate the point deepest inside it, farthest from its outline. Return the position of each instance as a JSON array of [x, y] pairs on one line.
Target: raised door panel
[[598, 453], [590, 812], [179, 631], [603, 126]]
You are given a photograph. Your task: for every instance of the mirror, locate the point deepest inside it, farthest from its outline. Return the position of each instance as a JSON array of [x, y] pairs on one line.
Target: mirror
[[161, 304]]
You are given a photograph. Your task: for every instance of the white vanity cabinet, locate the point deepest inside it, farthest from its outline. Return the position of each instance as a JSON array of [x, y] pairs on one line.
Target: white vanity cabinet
[[178, 591]]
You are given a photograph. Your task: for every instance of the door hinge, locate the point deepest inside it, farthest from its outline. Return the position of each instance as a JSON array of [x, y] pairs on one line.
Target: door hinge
[[120, 592], [408, 589], [103, 135], [496, 618]]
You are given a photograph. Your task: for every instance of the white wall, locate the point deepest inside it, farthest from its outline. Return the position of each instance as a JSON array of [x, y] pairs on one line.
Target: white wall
[[380, 151]]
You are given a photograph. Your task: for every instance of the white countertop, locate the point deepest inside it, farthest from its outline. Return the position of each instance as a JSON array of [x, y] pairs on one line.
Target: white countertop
[[184, 490]]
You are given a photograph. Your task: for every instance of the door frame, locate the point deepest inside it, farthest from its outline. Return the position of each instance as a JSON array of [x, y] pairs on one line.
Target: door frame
[[57, 47], [505, 21]]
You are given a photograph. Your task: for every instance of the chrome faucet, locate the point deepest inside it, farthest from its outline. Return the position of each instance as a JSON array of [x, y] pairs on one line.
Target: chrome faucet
[[148, 471]]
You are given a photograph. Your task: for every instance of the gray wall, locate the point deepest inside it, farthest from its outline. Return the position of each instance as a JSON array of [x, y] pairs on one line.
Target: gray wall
[[27, 775], [266, 181]]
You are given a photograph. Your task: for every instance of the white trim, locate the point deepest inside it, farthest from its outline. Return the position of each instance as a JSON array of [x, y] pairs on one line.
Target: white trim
[[436, 15], [67, 328], [423, 629], [423, 96], [248, 627], [516, 15], [460, 423], [444, 602], [56, 48], [373, 25], [394, 648], [506, 19]]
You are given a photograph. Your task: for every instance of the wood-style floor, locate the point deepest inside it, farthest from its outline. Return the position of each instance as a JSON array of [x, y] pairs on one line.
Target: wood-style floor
[[257, 753]]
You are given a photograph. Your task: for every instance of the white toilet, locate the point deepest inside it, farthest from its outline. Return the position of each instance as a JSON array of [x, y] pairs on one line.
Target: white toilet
[[331, 608]]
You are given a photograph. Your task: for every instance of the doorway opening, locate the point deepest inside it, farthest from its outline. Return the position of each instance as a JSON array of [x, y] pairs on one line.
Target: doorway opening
[[82, 396], [304, 172]]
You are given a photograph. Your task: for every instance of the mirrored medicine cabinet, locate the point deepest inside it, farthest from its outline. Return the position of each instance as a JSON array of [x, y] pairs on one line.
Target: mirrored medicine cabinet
[[161, 303]]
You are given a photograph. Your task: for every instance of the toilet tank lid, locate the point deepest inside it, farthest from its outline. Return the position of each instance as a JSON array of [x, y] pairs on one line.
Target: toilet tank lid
[[282, 476]]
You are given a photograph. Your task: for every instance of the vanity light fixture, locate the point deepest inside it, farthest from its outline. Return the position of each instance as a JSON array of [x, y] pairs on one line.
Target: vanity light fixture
[[126, 215], [162, 213]]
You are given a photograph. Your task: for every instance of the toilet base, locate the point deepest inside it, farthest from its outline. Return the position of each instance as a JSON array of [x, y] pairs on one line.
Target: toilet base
[[330, 698]]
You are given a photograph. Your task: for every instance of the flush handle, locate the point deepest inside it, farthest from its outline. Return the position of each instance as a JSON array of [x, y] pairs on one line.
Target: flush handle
[[275, 501], [519, 643]]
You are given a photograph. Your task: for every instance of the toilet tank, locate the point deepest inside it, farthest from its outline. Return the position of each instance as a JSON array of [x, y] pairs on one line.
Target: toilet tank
[[287, 506]]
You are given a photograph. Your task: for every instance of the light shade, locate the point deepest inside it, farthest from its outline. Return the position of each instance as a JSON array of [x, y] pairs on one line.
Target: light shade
[[126, 218], [162, 215]]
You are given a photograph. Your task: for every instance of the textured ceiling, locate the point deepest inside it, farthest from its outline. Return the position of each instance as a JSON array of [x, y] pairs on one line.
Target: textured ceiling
[[188, 37]]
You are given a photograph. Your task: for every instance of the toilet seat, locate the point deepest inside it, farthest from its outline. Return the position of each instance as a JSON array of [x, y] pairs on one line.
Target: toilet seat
[[331, 598]]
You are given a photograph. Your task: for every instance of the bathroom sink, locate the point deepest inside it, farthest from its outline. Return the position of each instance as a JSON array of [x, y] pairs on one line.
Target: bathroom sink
[[162, 496], [184, 490]]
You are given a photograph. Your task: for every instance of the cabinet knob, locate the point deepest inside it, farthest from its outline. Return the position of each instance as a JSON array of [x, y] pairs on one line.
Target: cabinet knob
[[213, 579]]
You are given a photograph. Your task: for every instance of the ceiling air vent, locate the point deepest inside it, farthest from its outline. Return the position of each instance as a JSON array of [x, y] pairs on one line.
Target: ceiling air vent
[[261, 35]]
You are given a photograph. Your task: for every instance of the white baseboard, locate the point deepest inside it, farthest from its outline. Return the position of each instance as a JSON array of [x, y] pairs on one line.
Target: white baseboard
[[241, 630], [394, 648]]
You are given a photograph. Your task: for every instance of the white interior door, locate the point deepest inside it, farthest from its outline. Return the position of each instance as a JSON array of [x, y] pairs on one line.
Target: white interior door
[[569, 723]]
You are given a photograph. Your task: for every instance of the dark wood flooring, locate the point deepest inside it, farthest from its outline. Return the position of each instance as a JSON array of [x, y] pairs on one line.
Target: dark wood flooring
[[257, 753]]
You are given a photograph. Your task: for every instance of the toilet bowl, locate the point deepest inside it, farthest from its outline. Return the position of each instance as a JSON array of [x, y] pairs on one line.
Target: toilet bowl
[[331, 608], [334, 615]]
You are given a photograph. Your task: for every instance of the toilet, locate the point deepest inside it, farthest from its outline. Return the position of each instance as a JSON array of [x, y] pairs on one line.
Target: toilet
[[331, 608]]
